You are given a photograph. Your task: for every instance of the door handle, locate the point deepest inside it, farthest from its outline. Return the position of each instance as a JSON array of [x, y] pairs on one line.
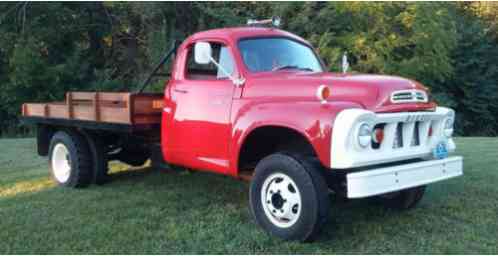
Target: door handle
[[181, 91]]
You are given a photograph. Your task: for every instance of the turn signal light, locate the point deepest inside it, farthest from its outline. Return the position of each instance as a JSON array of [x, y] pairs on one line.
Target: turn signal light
[[323, 93], [378, 135]]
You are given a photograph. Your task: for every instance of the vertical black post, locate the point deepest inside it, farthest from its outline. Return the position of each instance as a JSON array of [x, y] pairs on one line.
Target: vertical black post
[[161, 63]]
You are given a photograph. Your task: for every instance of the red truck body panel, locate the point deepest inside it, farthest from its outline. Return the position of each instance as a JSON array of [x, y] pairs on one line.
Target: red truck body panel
[[205, 123]]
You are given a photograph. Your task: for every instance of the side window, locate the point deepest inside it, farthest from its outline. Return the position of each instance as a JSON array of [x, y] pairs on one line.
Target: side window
[[210, 71]]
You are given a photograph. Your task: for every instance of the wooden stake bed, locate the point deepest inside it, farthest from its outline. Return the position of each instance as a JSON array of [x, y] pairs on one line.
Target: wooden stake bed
[[126, 109]]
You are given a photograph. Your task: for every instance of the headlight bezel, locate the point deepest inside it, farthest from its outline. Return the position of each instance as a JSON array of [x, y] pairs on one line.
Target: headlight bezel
[[448, 126], [364, 135]]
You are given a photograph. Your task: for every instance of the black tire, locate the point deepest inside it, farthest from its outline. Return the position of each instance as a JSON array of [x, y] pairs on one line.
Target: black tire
[[404, 199], [80, 163], [100, 167], [156, 158], [313, 190]]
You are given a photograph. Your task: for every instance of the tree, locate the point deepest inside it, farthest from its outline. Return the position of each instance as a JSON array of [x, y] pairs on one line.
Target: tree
[[49, 48], [473, 89]]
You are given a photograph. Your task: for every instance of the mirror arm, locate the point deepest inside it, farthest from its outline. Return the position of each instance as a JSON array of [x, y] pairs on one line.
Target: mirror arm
[[236, 81]]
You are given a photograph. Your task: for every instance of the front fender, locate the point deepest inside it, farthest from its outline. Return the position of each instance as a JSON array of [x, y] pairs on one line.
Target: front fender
[[311, 119]]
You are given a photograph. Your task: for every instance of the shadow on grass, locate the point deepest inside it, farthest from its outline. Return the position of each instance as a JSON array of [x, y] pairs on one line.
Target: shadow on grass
[[136, 173]]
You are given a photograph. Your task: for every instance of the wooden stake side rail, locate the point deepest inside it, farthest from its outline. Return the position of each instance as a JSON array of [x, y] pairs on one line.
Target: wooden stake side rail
[[106, 107]]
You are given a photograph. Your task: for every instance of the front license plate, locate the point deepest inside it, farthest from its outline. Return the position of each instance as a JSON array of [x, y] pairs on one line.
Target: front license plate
[[440, 151]]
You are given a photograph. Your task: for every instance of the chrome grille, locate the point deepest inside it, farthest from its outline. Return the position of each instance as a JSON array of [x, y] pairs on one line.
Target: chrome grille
[[398, 137], [416, 137], [408, 96], [404, 134]]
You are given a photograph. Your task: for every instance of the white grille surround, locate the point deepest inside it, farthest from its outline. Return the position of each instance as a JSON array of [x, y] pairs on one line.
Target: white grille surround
[[409, 96], [347, 153]]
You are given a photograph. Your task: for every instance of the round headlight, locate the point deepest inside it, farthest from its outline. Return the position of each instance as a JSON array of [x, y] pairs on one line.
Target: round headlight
[[364, 135], [448, 127]]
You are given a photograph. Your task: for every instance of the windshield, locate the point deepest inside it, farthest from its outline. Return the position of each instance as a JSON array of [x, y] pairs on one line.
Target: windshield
[[273, 54]]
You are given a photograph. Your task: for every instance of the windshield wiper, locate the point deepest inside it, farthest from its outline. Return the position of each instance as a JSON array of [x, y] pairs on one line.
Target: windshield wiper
[[306, 69], [291, 67]]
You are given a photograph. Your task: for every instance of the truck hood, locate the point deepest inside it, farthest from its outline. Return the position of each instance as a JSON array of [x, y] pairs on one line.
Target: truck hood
[[370, 91]]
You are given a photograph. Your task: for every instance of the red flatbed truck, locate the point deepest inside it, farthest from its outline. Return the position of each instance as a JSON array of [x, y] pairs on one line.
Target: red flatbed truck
[[256, 103]]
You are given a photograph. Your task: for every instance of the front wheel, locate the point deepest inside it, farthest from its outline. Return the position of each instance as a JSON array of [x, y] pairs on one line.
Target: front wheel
[[404, 199], [289, 197]]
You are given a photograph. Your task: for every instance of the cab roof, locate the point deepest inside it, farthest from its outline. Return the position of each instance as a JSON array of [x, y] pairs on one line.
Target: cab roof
[[236, 33]]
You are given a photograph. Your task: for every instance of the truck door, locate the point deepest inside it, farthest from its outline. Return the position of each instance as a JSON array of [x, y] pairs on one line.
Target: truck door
[[201, 125]]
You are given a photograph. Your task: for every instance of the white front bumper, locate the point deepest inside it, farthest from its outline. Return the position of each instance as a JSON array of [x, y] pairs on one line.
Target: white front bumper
[[388, 179]]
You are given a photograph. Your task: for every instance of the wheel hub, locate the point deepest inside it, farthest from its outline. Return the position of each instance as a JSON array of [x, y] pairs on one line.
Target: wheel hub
[[277, 201], [61, 162], [281, 200]]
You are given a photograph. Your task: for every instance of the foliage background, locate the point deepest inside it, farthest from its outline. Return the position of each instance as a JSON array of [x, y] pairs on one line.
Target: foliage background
[[49, 48]]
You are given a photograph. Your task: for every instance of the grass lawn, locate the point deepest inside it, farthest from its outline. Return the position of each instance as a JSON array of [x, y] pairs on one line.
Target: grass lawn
[[152, 211]]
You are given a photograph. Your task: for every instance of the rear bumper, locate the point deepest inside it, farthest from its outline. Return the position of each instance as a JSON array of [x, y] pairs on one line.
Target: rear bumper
[[389, 179]]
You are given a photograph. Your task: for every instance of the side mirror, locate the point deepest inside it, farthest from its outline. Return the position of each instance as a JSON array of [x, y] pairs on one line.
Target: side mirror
[[203, 53]]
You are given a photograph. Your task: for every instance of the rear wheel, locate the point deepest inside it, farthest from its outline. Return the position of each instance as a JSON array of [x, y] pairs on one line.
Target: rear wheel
[[404, 199], [100, 162], [70, 159], [289, 197]]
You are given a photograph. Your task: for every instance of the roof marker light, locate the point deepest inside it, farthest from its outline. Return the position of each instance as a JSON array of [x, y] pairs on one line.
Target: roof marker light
[[275, 21]]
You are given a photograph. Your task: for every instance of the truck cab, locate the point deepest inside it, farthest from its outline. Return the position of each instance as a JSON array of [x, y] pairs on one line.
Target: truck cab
[[257, 103]]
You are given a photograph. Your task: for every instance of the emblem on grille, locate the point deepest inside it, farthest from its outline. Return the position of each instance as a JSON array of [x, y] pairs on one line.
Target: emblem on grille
[[416, 118]]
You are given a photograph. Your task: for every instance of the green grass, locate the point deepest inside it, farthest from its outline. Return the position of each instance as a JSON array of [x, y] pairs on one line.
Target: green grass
[[152, 211]]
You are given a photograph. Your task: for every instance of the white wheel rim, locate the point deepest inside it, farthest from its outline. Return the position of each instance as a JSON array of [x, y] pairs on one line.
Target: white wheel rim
[[281, 200], [61, 163]]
